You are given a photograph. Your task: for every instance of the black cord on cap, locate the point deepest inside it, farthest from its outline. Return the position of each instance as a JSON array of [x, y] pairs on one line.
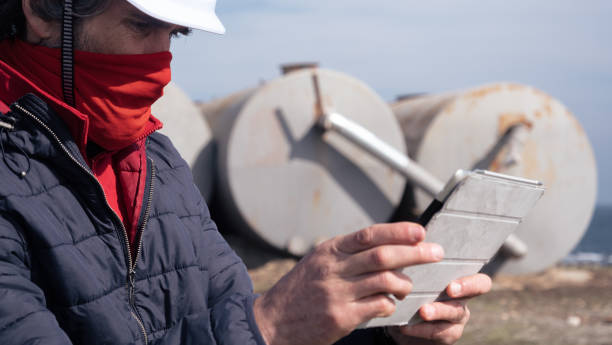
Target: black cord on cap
[[68, 53]]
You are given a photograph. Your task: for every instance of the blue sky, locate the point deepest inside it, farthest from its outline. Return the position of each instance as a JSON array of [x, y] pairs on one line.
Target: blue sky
[[562, 47]]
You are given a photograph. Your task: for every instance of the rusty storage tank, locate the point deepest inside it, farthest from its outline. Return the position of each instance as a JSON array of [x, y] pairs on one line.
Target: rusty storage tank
[[190, 133], [512, 129], [285, 181]]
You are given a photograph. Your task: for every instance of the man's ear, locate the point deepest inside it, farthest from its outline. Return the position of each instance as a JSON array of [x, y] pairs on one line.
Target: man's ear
[[38, 29]]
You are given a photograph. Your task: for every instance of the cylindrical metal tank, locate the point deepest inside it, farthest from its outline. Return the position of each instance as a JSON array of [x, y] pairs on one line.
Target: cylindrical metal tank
[[284, 180], [190, 133], [516, 130]]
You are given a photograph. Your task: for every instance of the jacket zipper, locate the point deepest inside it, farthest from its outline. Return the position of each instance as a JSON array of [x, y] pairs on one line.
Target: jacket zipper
[[116, 220], [139, 234]]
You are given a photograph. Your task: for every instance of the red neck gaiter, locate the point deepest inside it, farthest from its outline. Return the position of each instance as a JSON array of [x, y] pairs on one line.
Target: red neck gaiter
[[115, 92]]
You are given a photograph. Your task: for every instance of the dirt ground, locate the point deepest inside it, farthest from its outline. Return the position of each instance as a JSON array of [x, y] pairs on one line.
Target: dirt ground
[[561, 306]]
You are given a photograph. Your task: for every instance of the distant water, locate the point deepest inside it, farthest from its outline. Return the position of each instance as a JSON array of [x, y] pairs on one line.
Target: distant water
[[596, 245]]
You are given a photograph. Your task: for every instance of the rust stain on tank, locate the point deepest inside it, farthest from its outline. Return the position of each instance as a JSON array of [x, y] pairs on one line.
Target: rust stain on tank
[[496, 165], [514, 87], [550, 174], [575, 123], [321, 105], [507, 120], [531, 164], [316, 198], [327, 101], [449, 109], [482, 92], [536, 167], [548, 108], [547, 98], [316, 109]]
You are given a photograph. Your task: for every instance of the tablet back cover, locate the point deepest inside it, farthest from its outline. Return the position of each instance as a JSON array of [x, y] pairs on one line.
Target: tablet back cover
[[472, 225]]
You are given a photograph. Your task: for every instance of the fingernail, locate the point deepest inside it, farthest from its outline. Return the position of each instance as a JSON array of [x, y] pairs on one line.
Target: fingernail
[[418, 232], [455, 288], [437, 252], [420, 228]]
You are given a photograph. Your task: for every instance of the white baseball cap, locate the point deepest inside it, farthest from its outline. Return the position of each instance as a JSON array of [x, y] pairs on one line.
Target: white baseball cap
[[196, 14]]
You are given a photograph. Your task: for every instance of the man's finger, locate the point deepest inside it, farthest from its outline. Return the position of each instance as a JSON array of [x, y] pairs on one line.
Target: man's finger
[[453, 311], [390, 257], [469, 286], [386, 282], [441, 332], [380, 234], [374, 306]]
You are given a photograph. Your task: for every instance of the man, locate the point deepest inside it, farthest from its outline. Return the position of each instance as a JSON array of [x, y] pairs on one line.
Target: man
[[105, 240]]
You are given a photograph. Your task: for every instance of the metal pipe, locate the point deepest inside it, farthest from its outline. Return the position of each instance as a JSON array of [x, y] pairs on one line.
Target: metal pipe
[[514, 247], [368, 141], [384, 152]]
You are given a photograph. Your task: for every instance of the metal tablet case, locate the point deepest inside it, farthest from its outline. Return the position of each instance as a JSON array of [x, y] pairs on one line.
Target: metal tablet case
[[480, 212]]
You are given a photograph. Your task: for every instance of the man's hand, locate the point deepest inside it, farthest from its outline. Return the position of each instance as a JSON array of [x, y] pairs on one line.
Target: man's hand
[[343, 283], [444, 320]]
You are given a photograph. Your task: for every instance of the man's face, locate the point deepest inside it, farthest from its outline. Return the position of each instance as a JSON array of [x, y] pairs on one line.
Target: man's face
[[123, 29]]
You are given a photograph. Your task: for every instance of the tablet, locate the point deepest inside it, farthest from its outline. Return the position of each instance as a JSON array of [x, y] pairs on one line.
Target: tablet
[[472, 216]]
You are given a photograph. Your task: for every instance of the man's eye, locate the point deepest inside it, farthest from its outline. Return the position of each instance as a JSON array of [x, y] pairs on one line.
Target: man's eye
[[141, 27], [180, 32]]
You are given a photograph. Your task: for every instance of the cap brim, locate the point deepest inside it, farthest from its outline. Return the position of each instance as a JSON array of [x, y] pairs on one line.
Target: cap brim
[[181, 14]]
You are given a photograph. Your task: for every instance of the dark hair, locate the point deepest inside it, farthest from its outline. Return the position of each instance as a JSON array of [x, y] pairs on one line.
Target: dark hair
[[12, 20]]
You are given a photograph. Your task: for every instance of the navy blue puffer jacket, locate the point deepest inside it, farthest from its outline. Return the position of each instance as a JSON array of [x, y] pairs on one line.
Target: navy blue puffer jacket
[[66, 275]]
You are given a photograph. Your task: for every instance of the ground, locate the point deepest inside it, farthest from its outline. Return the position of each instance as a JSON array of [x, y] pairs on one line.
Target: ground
[[561, 306]]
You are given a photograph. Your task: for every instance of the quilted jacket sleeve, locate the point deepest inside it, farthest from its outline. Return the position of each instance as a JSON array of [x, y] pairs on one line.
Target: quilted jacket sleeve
[[369, 336], [24, 318], [230, 297]]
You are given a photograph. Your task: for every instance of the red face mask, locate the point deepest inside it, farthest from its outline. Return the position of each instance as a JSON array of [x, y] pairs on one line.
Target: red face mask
[[115, 92]]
